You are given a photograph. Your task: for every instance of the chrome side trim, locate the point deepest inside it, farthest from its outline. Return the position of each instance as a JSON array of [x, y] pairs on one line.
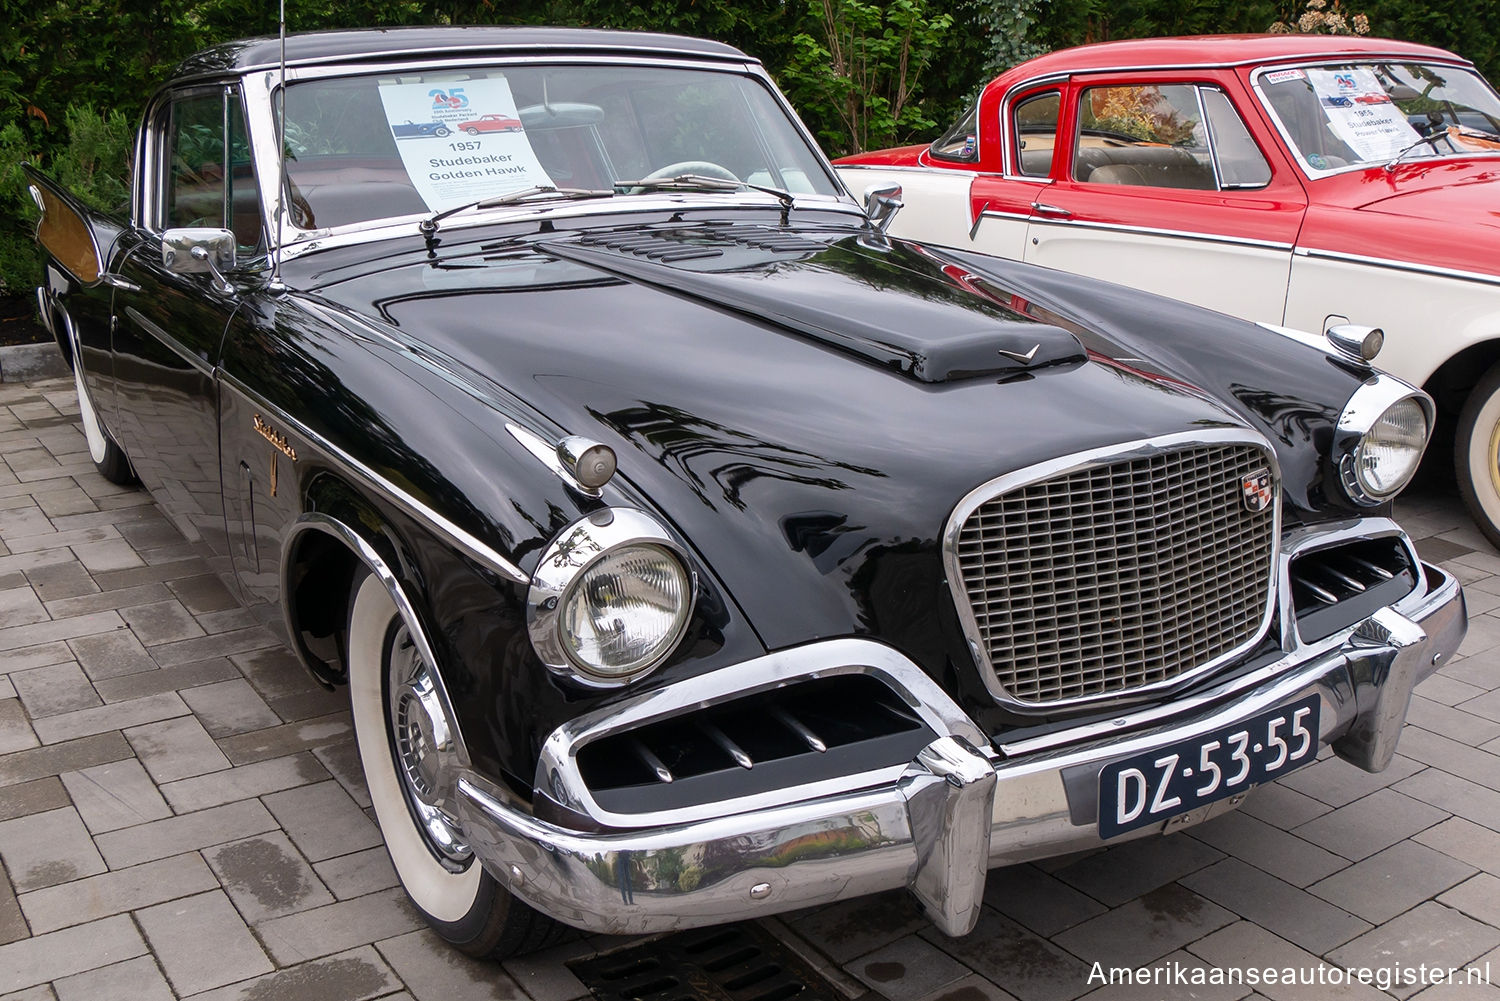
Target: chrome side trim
[[314, 521], [458, 537], [1175, 233], [169, 342], [558, 776], [1065, 465], [1386, 262]]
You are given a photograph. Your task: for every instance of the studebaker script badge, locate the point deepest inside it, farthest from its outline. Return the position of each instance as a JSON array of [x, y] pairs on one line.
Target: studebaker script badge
[[279, 442], [1257, 491]]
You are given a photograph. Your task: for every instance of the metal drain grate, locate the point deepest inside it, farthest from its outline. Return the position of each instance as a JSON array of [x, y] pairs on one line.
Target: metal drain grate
[[738, 962]]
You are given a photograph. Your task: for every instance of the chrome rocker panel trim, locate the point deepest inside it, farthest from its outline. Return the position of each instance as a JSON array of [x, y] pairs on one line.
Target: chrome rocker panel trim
[[950, 808]]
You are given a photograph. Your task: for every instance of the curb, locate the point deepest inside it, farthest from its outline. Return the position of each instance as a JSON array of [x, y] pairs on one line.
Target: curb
[[25, 362]]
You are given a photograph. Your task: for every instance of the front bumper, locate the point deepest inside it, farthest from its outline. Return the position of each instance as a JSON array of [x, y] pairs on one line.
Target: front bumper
[[956, 810]]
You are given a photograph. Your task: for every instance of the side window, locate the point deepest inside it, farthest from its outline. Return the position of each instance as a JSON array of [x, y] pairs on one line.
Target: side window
[[1144, 134], [207, 176], [1241, 163], [1034, 119]]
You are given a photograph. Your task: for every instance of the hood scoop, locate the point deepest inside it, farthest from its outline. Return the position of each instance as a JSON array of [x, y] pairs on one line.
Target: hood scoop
[[917, 323]]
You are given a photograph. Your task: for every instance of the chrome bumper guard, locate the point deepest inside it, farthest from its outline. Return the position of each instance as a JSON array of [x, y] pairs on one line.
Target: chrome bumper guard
[[956, 811]]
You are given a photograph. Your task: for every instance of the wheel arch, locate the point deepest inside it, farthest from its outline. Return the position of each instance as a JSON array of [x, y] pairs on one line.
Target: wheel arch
[[1450, 384], [321, 555]]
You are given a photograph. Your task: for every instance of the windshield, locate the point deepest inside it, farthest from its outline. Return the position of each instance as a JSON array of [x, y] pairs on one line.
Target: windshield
[[388, 145], [1362, 114]]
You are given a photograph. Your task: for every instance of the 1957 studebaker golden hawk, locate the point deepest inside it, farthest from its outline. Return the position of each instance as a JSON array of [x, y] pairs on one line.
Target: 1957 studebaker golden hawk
[[690, 548]]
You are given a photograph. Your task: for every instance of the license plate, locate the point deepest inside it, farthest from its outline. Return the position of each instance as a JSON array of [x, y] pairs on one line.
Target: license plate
[[1150, 787]]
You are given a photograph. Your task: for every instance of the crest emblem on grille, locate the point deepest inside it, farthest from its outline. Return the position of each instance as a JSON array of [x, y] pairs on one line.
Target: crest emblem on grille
[[1257, 491]]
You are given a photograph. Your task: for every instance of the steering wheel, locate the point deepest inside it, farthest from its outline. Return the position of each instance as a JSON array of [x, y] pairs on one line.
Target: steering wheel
[[704, 167]]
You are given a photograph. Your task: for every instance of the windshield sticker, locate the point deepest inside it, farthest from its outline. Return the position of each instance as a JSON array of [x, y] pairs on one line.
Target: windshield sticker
[[461, 142], [1361, 113], [1282, 76]]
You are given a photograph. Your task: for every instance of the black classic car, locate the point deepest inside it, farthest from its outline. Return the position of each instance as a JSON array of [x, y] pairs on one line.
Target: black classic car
[[691, 549]]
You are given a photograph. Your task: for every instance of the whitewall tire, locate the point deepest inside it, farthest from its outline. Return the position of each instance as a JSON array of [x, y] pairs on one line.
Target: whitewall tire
[[1476, 454], [108, 457]]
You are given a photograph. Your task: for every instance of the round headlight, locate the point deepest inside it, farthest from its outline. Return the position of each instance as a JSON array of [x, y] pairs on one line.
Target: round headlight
[[1386, 457], [625, 612]]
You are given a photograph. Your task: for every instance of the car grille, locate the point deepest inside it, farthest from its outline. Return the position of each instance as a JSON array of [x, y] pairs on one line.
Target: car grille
[[1118, 573]]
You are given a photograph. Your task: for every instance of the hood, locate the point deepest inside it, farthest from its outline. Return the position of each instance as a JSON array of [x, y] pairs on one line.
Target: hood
[[1468, 191], [807, 408]]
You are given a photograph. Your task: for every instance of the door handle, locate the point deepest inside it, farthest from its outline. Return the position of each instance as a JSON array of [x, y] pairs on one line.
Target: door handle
[[1056, 211]]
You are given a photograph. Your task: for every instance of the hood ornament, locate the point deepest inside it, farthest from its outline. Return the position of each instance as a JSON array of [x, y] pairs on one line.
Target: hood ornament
[[1024, 359]]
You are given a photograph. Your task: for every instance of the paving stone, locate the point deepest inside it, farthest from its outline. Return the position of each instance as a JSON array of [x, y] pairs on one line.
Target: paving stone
[[65, 579], [150, 533], [176, 749], [7, 690], [1431, 934], [1338, 783], [35, 656], [1281, 854], [98, 601], [202, 594], [1038, 901], [41, 992], [357, 873], [80, 538], [909, 967], [1479, 898], [206, 647], [1483, 704], [243, 782], [1464, 840], [852, 928], [1392, 881], [137, 979], [229, 619], [343, 763], [544, 977], [162, 622], [44, 849], [115, 716], [1171, 978], [1125, 872], [1282, 806], [1290, 912], [309, 704], [1159, 922], [60, 954], [356, 975], [1461, 990], [289, 738], [970, 988], [115, 795], [64, 501], [1458, 796], [49, 691], [1244, 946], [16, 733], [1447, 691], [1455, 724], [175, 835], [184, 931], [36, 796], [13, 925], [115, 554], [432, 970], [71, 755], [116, 892], [274, 672], [111, 655], [19, 606], [1452, 756], [336, 927], [15, 637], [149, 574], [322, 820], [229, 707], [1003, 952], [181, 680], [266, 878], [1369, 825]]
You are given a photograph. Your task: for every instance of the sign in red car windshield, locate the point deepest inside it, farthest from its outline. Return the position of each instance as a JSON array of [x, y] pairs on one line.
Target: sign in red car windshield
[[448, 164], [1361, 113]]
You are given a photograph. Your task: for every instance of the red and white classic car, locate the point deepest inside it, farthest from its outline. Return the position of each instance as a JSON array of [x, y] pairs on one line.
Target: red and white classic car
[[1301, 181]]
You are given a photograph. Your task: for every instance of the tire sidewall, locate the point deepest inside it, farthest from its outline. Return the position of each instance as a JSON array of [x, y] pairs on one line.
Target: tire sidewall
[[1474, 454], [457, 904]]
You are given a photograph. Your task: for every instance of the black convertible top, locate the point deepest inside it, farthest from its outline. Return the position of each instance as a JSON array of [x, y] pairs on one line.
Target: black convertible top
[[383, 43]]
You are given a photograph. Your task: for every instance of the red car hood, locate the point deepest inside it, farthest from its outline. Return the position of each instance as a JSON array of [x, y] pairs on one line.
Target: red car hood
[[1463, 192]]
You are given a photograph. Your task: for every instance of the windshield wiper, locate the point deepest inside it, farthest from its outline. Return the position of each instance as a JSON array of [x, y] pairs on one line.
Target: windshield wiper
[[1431, 137], [703, 182], [429, 226]]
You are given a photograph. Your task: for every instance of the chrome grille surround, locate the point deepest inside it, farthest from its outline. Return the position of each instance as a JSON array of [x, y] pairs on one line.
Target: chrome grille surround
[[1066, 593]]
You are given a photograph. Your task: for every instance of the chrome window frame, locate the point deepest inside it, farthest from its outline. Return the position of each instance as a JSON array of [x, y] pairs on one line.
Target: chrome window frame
[[1313, 173], [1092, 459]]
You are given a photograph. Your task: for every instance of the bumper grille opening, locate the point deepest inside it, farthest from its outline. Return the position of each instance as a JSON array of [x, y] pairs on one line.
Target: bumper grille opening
[[1119, 575], [1336, 587], [803, 733]]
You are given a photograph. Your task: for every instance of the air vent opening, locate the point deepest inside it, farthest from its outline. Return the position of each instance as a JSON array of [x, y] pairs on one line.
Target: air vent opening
[[1335, 587]]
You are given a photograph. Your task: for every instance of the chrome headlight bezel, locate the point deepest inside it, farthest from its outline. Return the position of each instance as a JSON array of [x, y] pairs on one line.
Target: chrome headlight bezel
[[565, 563], [1371, 402]]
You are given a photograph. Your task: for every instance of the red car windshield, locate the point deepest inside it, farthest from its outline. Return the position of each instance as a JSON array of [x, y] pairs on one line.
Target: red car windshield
[[1360, 114]]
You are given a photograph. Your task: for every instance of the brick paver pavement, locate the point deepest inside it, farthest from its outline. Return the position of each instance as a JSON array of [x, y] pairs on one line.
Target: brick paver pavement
[[182, 812]]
